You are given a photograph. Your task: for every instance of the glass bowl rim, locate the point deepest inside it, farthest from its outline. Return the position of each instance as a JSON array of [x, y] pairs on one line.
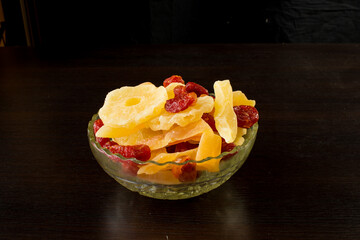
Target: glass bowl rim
[[250, 134]]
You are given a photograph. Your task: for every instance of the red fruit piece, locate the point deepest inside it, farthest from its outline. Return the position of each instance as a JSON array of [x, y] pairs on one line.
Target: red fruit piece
[[141, 152], [97, 125], [227, 147], [196, 88], [246, 116], [181, 103], [209, 119], [186, 172], [173, 78], [180, 91], [184, 146]]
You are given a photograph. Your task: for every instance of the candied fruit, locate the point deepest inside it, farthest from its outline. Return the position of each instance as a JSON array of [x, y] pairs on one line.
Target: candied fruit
[[246, 116], [173, 79]]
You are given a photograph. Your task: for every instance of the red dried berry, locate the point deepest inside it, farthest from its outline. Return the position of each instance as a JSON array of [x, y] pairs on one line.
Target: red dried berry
[[186, 172], [141, 152], [246, 116], [173, 78], [180, 91], [97, 125], [209, 119], [196, 88], [184, 146], [179, 104], [227, 147]]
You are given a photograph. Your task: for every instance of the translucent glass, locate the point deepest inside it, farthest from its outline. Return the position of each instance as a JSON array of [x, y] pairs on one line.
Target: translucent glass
[[207, 181]]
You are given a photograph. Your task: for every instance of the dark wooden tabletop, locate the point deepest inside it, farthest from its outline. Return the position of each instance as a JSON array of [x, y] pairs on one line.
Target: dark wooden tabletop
[[301, 181]]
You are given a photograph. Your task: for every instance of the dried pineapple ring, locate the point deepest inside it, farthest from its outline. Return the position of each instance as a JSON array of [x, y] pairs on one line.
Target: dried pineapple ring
[[224, 115], [166, 120], [239, 98], [131, 106]]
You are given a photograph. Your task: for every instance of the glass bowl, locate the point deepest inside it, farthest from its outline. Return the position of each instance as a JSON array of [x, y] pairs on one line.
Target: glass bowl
[[114, 165]]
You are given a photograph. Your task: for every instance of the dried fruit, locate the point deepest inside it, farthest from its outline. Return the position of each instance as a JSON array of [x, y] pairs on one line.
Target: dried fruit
[[239, 98], [97, 125], [224, 115], [180, 91], [151, 168], [192, 114], [209, 119], [184, 146], [178, 104], [130, 107], [141, 152], [196, 88], [186, 172], [170, 89], [172, 79], [209, 146], [246, 116]]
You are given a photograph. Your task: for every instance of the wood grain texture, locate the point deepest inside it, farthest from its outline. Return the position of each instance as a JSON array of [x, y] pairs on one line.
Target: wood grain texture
[[301, 180]]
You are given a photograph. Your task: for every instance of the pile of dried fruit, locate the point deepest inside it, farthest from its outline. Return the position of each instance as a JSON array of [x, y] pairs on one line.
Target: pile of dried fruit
[[176, 122]]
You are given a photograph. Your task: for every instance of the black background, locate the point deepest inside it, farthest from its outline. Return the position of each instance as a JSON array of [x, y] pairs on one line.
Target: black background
[[111, 23]]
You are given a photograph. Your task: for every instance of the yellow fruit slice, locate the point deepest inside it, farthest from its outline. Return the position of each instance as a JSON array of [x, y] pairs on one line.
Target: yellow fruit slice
[[165, 177], [161, 139], [132, 106], [239, 98], [166, 120], [209, 146], [110, 132], [239, 140], [152, 168], [224, 115], [170, 89]]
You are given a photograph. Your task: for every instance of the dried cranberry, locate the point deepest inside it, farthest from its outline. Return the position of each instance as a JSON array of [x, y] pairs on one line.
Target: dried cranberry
[[246, 116], [209, 119], [180, 91], [97, 125], [196, 88], [181, 103], [141, 152], [186, 172], [184, 146], [173, 78], [227, 147]]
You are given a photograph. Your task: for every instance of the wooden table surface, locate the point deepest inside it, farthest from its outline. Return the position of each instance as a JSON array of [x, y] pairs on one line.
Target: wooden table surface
[[301, 181]]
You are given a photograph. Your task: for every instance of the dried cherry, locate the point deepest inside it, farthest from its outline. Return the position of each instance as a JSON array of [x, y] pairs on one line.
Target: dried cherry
[[178, 104], [173, 78], [196, 88], [246, 115], [184, 146], [227, 147], [209, 119], [180, 91], [186, 172], [141, 152]]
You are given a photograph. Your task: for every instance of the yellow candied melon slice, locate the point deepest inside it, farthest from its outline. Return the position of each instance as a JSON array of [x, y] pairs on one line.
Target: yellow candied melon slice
[[160, 139], [166, 120], [132, 106], [209, 146], [224, 115], [239, 140], [165, 177], [239, 98], [170, 89], [152, 168], [110, 132]]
